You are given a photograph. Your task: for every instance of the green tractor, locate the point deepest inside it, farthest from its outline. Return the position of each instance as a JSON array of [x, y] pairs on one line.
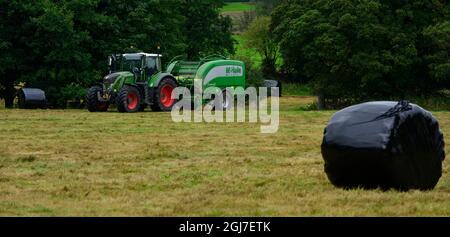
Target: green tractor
[[137, 80]]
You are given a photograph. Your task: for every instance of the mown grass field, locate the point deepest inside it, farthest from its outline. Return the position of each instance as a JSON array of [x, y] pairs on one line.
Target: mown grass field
[[237, 7], [76, 163]]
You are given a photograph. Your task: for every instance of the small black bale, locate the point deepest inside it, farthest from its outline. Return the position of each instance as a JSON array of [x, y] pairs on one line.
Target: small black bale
[[31, 98], [272, 83], [385, 145]]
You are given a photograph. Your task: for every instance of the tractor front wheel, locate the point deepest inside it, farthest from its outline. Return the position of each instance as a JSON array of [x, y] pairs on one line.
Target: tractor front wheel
[[163, 95], [92, 102], [128, 100]]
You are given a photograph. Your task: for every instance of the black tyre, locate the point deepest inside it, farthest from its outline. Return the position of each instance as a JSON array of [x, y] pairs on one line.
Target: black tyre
[[92, 102], [128, 99], [272, 83], [227, 101], [163, 100]]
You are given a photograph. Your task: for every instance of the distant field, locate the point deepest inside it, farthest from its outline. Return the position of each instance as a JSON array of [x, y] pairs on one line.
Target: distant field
[[237, 7], [72, 162]]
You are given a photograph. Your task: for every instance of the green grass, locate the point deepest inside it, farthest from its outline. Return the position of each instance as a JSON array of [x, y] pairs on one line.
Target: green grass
[[237, 7], [296, 89], [72, 162], [242, 51], [438, 101]]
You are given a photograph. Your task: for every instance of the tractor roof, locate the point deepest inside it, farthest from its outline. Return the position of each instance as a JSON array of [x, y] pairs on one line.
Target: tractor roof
[[138, 55]]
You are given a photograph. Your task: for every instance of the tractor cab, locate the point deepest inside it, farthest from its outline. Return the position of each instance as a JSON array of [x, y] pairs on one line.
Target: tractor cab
[[142, 65]]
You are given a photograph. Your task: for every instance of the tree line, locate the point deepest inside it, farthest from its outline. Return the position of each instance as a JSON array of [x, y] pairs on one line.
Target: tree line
[[347, 50], [359, 50], [356, 50], [62, 46]]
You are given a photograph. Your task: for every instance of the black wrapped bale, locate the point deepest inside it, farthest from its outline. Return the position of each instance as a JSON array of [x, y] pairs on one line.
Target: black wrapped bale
[[272, 83], [31, 98], [384, 145]]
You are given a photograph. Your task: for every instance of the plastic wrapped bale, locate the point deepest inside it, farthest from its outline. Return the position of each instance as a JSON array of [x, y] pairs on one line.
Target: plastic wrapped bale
[[31, 98], [272, 83], [383, 144]]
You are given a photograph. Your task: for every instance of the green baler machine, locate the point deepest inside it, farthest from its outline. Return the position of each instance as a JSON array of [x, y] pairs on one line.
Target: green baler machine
[[137, 80]]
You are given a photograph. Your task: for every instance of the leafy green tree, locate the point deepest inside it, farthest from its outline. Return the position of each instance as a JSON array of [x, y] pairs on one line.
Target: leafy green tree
[[11, 16], [438, 54], [259, 37], [206, 31], [265, 7], [355, 50], [58, 51]]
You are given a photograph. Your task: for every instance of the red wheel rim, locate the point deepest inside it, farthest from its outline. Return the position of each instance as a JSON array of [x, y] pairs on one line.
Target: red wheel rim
[[166, 95], [132, 100]]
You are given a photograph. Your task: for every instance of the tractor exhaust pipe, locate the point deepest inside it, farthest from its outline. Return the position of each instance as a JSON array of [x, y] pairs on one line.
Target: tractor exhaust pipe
[[31, 98]]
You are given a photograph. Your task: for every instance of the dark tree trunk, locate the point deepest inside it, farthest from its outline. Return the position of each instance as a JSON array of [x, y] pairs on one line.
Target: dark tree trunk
[[10, 92], [268, 68]]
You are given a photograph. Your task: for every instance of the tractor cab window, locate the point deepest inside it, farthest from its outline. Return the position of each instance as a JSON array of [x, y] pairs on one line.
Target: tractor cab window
[[150, 66], [130, 64], [131, 61]]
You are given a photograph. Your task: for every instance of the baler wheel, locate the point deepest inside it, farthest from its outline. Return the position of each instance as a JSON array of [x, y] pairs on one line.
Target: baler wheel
[[227, 101], [226, 104]]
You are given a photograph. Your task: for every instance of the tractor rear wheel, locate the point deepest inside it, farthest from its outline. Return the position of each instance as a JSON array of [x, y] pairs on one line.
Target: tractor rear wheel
[[163, 95], [93, 104], [128, 100]]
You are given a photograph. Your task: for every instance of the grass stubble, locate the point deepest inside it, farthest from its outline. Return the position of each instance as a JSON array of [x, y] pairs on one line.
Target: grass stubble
[[76, 163]]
